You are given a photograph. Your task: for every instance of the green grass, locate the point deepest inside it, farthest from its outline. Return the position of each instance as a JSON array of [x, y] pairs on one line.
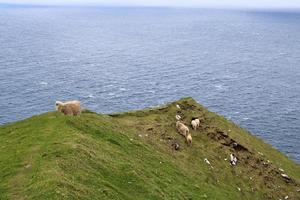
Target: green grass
[[129, 156]]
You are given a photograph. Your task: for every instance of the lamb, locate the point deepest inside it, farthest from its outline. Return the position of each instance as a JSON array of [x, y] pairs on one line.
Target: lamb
[[68, 107], [184, 131], [195, 123]]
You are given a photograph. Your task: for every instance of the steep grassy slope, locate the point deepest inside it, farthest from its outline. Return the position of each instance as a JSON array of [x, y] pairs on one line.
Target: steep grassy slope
[[130, 156]]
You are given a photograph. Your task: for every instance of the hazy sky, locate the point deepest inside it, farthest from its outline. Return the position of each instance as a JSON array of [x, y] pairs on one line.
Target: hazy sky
[[188, 3]]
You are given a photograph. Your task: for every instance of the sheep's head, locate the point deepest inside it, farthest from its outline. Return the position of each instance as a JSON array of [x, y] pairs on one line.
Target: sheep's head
[[58, 104], [189, 139]]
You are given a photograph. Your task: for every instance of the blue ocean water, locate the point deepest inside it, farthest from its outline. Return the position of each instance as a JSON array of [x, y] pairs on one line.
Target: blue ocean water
[[244, 65]]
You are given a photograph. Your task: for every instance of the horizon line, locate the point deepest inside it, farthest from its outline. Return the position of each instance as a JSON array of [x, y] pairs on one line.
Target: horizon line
[[151, 6]]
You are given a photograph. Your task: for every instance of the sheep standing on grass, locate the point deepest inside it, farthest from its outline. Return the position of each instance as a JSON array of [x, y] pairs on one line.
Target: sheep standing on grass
[[68, 107], [184, 131], [195, 123]]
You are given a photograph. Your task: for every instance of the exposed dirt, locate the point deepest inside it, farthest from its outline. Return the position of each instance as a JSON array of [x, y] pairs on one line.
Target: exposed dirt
[[224, 139]]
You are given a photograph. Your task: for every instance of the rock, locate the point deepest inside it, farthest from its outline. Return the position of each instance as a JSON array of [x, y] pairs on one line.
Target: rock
[[280, 169], [265, 163], [178, 106], [27, 166], [233, 159], [286, 176], [286, 197], [260, 153], [178, 117], [176, 146], [234, 144], [207, 161]]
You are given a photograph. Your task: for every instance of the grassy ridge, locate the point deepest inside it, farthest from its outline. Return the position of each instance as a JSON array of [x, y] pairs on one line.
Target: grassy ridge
[[130, 156]]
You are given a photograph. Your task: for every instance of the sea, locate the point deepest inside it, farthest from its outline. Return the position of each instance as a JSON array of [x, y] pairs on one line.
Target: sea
[[242, 64]]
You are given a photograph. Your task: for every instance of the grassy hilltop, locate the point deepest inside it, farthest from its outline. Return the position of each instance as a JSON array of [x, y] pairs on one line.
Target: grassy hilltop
[[130, 156]]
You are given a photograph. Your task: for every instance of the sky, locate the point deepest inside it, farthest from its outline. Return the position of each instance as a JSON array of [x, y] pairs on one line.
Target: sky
[[277, 4]]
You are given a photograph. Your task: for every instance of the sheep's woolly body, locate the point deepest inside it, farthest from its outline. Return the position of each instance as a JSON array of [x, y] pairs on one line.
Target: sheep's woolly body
[[184, 131], [195, 123], [69, 107]]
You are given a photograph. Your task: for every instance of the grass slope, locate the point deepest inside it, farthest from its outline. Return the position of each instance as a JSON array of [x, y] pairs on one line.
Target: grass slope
[[129, 156]]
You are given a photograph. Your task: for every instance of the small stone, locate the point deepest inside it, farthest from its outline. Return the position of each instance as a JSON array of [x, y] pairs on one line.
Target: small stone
[[27, 166], [178, 106], [233, 159], [176, 146], [280, 169], [207, 161], [285, 176], [235, 144], [265, 163], [286, 197], [239, 189], [140, 135], [178, 117]]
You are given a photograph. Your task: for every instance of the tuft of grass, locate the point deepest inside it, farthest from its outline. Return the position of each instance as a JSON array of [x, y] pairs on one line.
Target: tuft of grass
[[130, 156]]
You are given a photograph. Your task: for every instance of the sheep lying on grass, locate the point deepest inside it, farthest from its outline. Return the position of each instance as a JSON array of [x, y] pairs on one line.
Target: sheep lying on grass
[[68, 107], [184, 131]]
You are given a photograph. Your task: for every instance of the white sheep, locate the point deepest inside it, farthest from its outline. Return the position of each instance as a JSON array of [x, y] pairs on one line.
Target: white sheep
[[195, 123], [184, 131], [68, 107]]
